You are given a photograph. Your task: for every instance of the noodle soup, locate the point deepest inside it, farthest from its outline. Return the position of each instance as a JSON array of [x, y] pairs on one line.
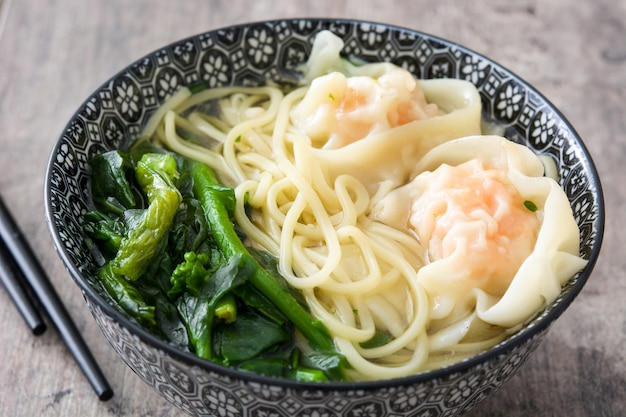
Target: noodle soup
[[408, 239]]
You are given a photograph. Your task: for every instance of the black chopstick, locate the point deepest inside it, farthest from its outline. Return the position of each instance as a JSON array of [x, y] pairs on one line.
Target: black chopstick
[[31, 270], [13, 282]]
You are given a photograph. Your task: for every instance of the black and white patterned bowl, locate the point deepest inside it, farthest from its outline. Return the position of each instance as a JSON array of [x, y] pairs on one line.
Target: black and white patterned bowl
[[113, 116]]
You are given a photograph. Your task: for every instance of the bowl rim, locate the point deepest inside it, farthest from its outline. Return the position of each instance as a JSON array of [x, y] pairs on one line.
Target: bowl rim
[[538, 324]]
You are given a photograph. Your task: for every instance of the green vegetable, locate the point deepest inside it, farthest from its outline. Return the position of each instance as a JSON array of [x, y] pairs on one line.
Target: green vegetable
[[226, 308], [254, 299], [288, 366], [155, 174], [380, 338], [106, 230], [531, 206], [331, 364], [218, 203], [128, 297], [109, 184], [173, 260], [310, 375], [266, 334], [204, 290], [190, 275], [266, 366], [142, 242]]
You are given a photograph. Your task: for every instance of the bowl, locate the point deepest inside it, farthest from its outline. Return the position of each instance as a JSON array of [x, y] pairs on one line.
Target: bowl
[[113, 116]]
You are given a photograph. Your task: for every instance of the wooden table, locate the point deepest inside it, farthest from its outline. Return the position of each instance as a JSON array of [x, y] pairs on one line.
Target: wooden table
[[55, 53]]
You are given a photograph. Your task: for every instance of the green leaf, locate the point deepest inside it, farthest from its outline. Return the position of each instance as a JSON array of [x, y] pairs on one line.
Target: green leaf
[[332, 364], [266, 366], [109, 179], [531, 206], [380, 338], [198, 312], [106, 230], [169, 322], [254, 299], [310, 375], [155, 174], [249, 336], [127, 297]]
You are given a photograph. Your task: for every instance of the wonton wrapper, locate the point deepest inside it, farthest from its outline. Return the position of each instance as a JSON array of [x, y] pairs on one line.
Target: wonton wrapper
[[553, 261], [391, 155]]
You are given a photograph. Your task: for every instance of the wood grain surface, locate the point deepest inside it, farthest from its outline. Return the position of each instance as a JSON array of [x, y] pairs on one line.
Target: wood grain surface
[[54, 53]]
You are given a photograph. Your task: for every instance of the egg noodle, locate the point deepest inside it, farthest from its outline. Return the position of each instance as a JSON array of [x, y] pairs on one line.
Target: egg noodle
[[328, 179]]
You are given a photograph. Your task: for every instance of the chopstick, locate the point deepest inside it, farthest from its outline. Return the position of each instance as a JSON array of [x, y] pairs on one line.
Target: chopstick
[[12, 279], [28, 267]]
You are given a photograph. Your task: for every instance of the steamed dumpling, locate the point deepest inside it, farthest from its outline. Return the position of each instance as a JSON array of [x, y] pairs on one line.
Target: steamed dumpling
[[472, 205], [375, 120], [389, 153], [471, 215], [339, 110]]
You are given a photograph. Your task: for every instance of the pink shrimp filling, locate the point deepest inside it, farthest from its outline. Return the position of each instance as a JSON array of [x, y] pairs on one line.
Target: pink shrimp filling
[[473, 216]]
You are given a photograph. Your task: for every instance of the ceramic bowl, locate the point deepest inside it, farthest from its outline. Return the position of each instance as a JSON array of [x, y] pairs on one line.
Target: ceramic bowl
[[250, 54]]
